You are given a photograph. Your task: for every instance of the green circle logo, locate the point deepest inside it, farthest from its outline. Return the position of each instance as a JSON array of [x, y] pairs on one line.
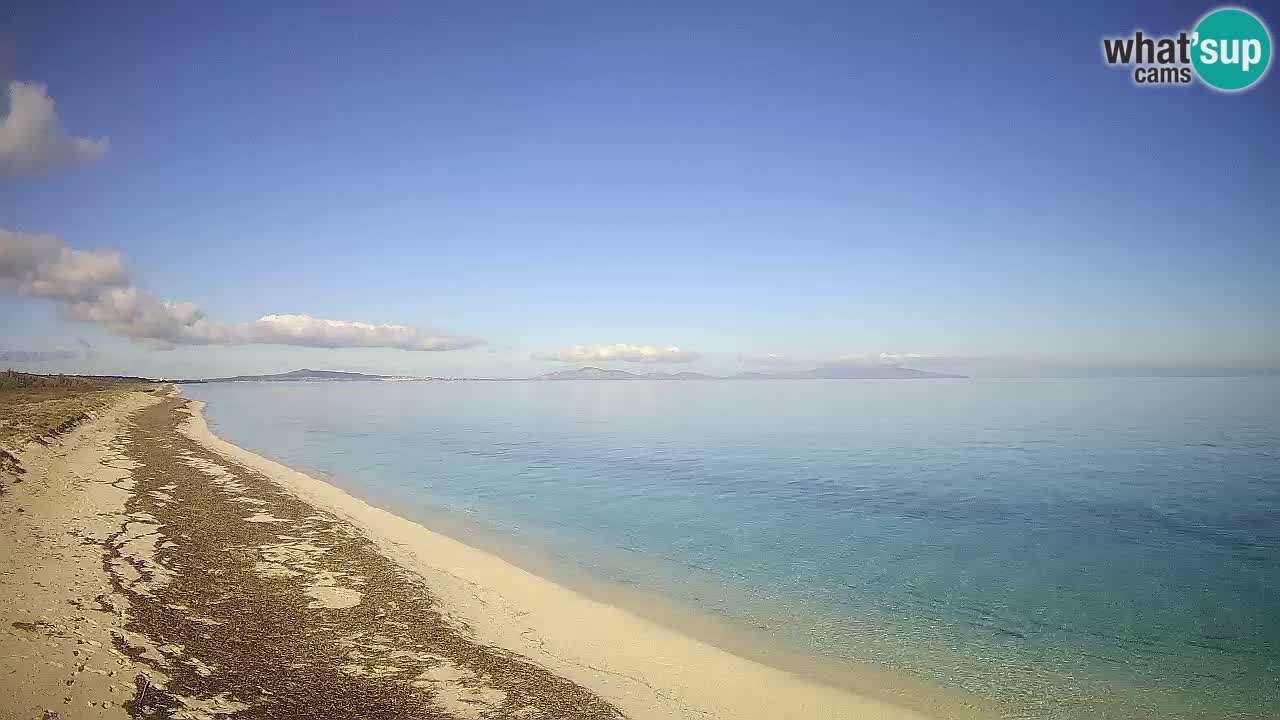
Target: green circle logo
[[1232, 49]]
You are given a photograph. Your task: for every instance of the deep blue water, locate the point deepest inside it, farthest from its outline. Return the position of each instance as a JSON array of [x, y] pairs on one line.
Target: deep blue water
[[1066, 548]]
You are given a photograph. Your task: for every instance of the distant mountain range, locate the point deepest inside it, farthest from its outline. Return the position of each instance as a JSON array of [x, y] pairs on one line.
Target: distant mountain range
[[306, 375], [832, 372], [595, 373], [848, 372], [841, 372]]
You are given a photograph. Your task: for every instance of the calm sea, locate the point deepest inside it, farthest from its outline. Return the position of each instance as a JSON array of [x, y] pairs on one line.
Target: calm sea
[[1065, 548]]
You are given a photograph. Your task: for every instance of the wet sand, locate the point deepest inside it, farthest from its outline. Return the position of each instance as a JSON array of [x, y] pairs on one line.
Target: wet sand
[[159, 571]]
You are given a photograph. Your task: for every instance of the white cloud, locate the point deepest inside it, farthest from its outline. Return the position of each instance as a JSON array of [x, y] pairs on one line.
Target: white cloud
[[42, 266], [624, 352], [770, 359], [93, 287], [32, 138], [318, 332], [894, 359], [134, 313]]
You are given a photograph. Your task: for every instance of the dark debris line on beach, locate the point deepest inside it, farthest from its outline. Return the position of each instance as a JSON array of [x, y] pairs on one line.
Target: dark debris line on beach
[[224, 607]]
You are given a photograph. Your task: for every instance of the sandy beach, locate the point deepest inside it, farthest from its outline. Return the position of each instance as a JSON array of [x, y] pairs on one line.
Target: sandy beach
[[153, 569]]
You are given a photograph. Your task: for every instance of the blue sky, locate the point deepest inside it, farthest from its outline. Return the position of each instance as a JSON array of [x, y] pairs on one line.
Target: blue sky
[[812, 180]]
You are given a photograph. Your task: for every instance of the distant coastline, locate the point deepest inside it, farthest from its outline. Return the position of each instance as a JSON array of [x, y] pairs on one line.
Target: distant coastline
[[592, 373], [595, 374]]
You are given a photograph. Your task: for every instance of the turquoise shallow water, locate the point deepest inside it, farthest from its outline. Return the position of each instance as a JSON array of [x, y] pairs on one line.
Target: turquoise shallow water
[[1065, 548]]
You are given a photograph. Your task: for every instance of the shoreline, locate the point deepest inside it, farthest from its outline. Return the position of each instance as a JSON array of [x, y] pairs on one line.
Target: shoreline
[[146, 576], [721, 631], [589, 636], [153, 569]]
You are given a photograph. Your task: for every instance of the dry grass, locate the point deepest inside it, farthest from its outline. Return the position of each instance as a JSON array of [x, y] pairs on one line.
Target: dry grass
[[34, 408]]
